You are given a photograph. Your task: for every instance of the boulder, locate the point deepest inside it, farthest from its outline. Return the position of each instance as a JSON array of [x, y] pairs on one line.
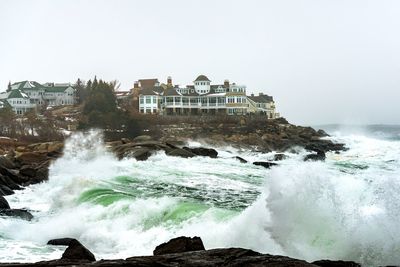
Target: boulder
[[279, 157], [202, 151], [242, 160], [76, 251], [140, 153], [27, 158], [60, 241], [20, 213], [28, 170], [5, 190], [265, 164], [179, 152], [179, 245], [315, 157], [55, 147], [331, 263], [4, 203], [6, 163]]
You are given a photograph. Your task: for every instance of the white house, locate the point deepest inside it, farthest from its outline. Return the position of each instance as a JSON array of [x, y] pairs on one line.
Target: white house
[[27, 95], [202, 98]]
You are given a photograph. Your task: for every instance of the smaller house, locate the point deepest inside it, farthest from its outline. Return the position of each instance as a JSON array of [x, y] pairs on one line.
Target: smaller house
[[262, 104]]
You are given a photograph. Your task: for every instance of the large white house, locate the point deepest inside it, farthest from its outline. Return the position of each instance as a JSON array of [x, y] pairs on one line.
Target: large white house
[[27, 95], [203, 98]]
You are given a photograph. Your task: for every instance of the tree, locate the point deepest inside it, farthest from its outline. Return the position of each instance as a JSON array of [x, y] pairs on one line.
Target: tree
[[8, 87]]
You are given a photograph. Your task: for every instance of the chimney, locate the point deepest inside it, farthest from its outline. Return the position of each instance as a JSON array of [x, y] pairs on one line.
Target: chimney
[[169, 81], [136, 85], [226, 83]]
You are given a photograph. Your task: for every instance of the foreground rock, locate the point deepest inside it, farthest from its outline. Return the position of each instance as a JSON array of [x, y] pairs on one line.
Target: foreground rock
[[181, 251], [179, 245], [319, 156], [60, 241], [4, 203], [77, 252], [265, 164], [330, 263], [18, 213]]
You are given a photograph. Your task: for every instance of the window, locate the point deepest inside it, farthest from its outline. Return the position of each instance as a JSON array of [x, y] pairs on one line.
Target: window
[[154, 100], [148, 100], [231, 99], [148, 110]]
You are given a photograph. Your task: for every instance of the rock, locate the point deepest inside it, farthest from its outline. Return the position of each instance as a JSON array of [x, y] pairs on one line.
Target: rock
[[20, 213], [330, 263], [76, 251], [5, 191], [201, 151], [279, 156], [6, 181], [125, 141], [28, 158], [179, 245], [60, 241], [179, 152], [322, 133], [55, 147], [4, 203], [315, 157], [265, 164], [28, 170], [140, 153], [242, 160], [142, 138], [6, 163]]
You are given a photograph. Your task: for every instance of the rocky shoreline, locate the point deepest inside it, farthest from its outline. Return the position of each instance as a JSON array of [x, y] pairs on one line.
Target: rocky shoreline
[[25, 164], [180, 251]]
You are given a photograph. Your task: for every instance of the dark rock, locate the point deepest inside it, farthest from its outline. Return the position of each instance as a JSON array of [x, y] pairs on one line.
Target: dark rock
[[28, 170], [265, 164], [202, 151], [20, 213], [60, 241], [315, 157], [179, 245], [125, 141], [28, 158], [76, 251], [242, 160], [179, 152], [6, 163], [322, 133], [139, 153], [279, 156], [330, 263], [4, 180], [5, 191], [4, 203]]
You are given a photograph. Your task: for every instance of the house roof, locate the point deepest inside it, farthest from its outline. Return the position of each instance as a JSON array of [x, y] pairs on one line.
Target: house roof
[[56, 89], [202, 78], [17, 94], [171, 92], [262, 98], [148, 83]]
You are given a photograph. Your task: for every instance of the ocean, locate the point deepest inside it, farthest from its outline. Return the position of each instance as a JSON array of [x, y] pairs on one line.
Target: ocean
[[347, 207]]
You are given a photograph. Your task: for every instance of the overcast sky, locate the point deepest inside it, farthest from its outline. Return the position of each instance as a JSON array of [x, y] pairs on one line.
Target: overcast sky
[[335, 61]]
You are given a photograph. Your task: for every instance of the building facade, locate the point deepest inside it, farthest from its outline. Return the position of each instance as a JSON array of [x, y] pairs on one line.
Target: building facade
[[27, 95], [203, 98]]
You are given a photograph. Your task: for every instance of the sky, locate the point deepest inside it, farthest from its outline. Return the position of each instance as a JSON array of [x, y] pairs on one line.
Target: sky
[[323, 61]]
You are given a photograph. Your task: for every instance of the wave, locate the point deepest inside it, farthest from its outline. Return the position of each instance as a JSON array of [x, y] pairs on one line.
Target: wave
[[344, 208]]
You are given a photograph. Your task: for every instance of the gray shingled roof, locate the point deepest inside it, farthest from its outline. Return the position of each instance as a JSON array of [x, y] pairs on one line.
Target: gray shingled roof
[[171, 92], [202, 78], [262, 98]]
